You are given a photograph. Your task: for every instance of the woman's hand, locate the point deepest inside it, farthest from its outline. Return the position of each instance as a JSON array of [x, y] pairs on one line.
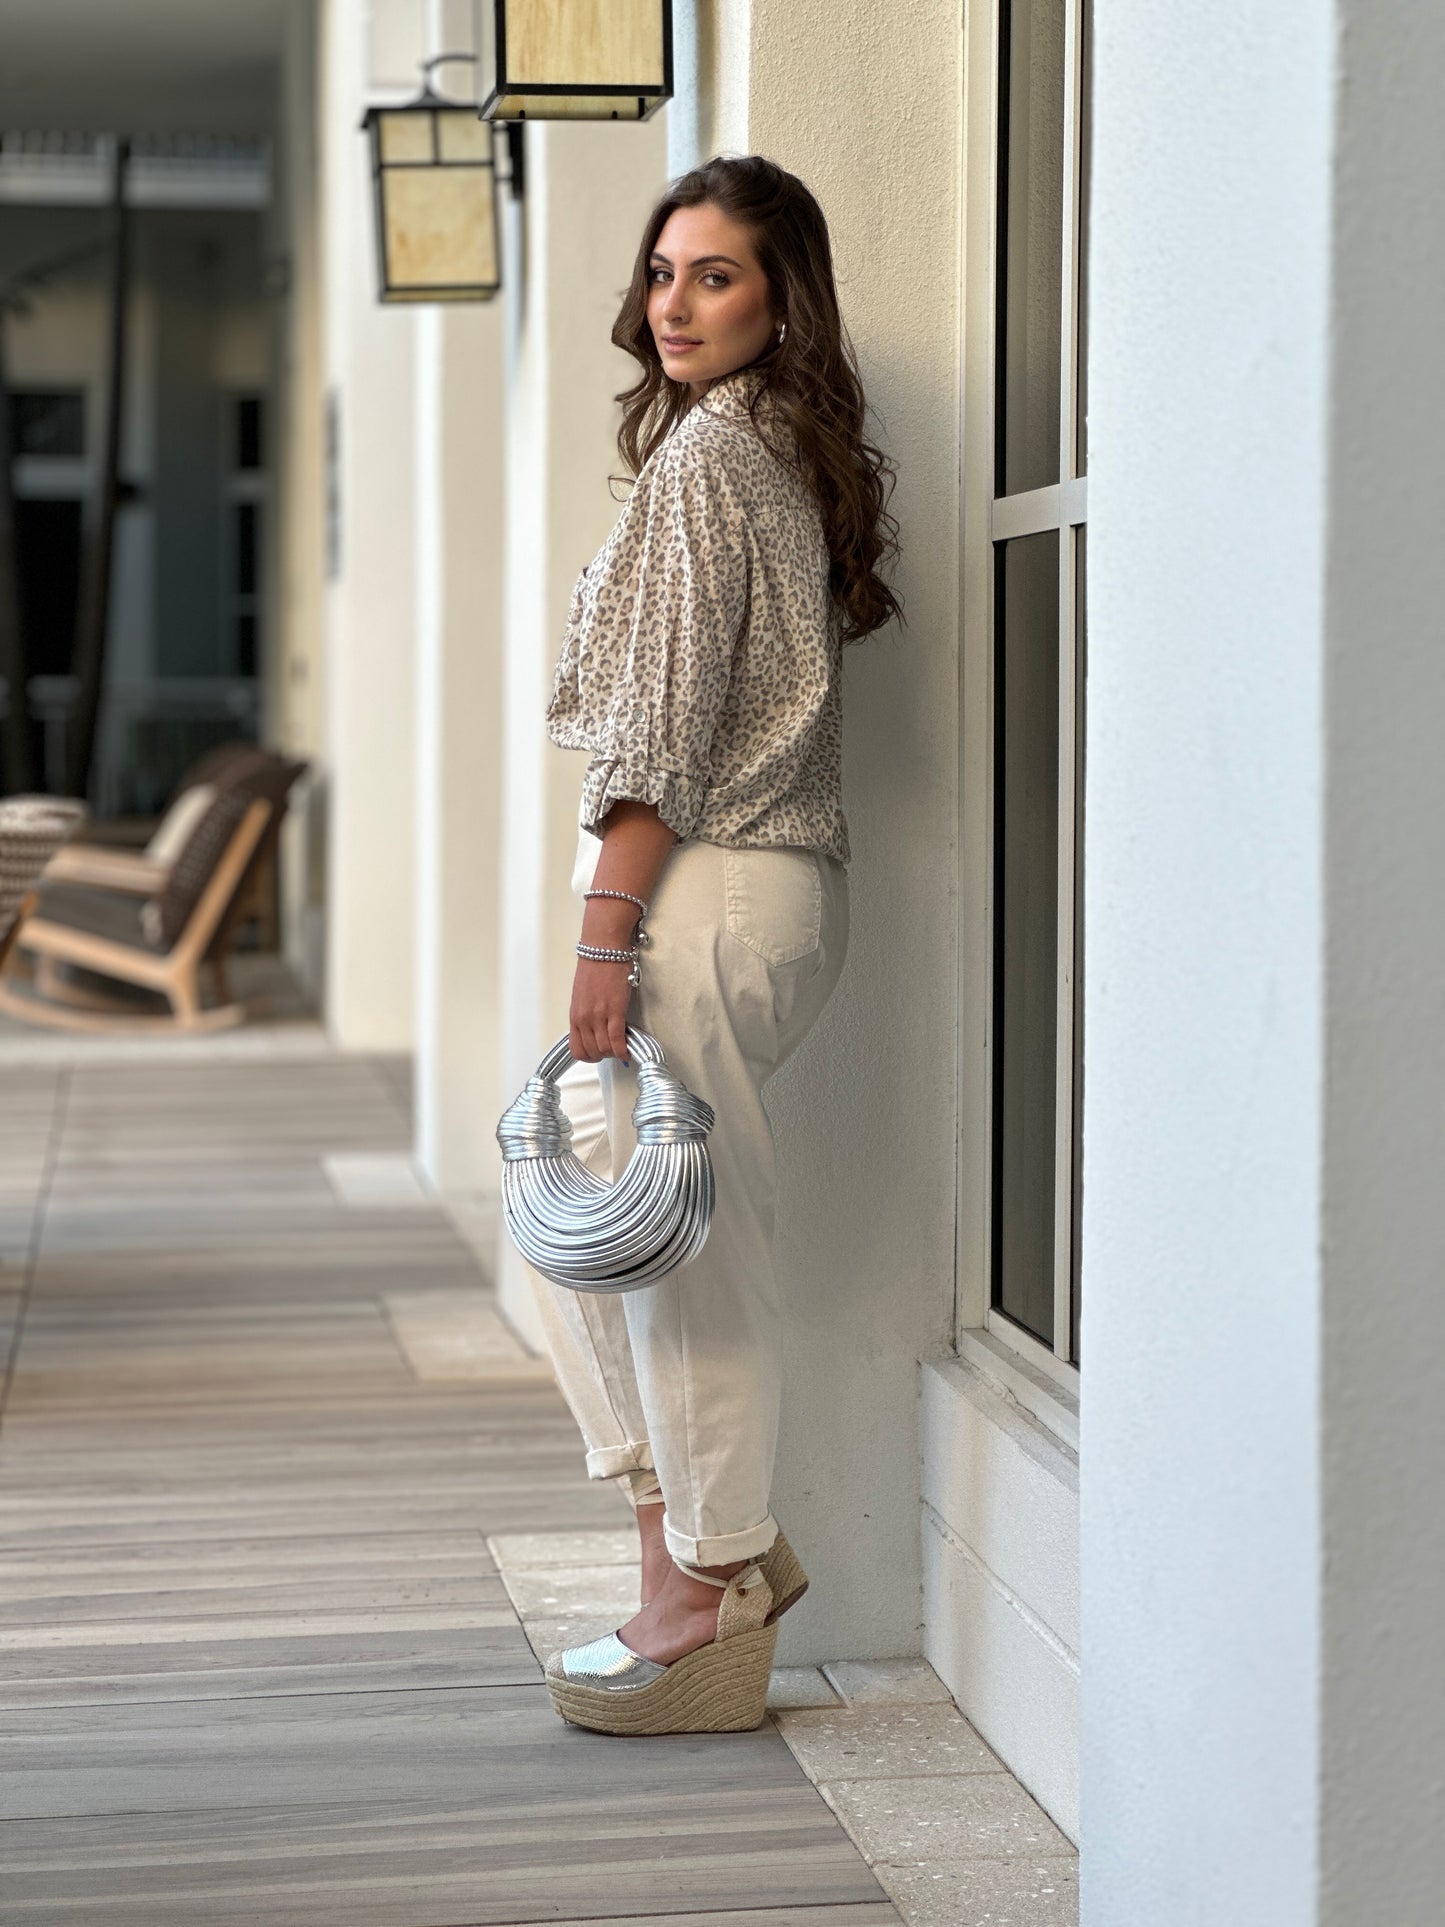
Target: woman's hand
[[600, 996]]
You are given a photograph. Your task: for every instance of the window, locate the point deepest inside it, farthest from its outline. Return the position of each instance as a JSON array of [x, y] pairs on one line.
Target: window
[[1025, 460], [47, 421], [243, 498]]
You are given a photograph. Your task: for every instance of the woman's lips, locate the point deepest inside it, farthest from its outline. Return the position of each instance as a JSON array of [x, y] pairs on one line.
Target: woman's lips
[[679, 344]]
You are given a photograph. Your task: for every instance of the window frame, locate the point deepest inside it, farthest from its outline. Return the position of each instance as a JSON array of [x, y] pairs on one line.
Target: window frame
[[985, 522]]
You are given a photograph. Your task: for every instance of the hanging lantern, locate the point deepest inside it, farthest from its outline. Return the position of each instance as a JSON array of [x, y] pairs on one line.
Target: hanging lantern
[[573, 59], [436, 201]]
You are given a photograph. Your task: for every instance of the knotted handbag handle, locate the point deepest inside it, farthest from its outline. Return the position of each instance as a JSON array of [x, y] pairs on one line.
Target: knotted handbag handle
[[576, 1228]]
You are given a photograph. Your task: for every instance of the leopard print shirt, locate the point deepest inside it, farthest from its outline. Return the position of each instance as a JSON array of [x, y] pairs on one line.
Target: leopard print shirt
[[701, 661]]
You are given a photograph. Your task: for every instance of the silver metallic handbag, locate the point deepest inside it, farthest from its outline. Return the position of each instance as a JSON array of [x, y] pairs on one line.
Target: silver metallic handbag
[[578, 1229]]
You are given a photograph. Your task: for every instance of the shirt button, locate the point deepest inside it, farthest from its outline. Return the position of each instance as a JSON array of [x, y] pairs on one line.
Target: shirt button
[[639, 715]]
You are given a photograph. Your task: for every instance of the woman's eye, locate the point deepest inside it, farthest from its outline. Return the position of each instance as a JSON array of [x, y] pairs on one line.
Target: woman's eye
[[716, 274]]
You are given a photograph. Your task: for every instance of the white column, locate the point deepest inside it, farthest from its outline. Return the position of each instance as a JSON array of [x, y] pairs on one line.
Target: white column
[[295, 678], [370, 612], [1203, 992], [1263, 1708], [590, 186], [459, 748]]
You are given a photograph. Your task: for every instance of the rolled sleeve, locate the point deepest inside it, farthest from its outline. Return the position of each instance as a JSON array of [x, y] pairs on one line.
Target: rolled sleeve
[[673, 618]]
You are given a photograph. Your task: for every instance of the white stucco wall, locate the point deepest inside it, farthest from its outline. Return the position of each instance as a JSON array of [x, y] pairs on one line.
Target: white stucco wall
[[1203, 963], [869, 117]]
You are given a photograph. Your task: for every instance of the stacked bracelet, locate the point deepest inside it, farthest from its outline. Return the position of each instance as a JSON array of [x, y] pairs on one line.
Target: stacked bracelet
[[639, 935], [600, 953]]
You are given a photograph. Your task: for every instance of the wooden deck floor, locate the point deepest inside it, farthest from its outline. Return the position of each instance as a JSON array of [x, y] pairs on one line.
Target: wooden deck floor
[[256, 1665]]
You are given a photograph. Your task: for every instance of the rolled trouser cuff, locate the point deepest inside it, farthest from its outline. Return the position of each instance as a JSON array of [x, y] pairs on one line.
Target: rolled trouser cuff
[[642, 1488], [616, 1461], [720, 1549]]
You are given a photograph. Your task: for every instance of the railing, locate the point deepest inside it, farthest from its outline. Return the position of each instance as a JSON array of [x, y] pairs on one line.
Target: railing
[[58, 166], [149, 732]]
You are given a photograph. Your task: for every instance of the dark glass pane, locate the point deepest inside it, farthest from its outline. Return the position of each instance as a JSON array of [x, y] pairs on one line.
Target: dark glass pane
[[1086, 141], [246, 638], [250, 454], [1026, 750], [48, 421], [1031, 242], [246, 534], [1080, 738], [47, 540]]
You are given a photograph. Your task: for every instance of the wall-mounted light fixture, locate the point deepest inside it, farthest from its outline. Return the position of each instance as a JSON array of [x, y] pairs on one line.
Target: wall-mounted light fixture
[[434, 169], [573, 59]]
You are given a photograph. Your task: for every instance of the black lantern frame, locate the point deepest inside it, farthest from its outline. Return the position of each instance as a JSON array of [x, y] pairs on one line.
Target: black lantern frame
[[422, 152], [507, 95]]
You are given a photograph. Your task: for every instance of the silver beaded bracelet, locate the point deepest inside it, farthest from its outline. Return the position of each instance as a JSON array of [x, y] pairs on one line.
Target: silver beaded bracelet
[[639, 935], [600, 953]]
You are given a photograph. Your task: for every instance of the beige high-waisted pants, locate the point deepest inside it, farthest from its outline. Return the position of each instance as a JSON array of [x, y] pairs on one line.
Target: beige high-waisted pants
[[681, 1379]]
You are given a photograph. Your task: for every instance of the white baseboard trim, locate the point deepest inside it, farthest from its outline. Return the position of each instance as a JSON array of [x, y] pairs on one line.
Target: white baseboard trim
[[999, 1524]]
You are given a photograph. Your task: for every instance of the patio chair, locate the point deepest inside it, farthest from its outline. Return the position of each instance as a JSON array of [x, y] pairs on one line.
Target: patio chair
[[32, 829], [147, 873], [144, 872], [158, 943]]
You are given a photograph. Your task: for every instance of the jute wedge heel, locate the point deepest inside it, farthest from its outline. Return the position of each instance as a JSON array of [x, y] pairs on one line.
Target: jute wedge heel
[[718, 1688], [785, 1576]]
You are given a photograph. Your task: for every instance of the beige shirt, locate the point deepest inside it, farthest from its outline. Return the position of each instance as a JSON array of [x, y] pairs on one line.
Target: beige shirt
[[701, 661]]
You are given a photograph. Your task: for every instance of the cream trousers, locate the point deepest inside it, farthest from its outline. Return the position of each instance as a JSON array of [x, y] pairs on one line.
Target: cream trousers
[[677, 1385]]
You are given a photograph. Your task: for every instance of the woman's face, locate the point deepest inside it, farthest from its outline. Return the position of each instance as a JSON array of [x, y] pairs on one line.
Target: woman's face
[[707, 299]]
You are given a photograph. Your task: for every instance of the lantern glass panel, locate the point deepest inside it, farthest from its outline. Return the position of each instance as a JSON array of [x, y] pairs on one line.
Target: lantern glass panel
[[572, 107], [584, 43], [462, 137], [440, 231], [404, 136]]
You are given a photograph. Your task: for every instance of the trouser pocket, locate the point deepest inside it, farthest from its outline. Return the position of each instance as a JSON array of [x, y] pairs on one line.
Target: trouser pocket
[[774, 901]]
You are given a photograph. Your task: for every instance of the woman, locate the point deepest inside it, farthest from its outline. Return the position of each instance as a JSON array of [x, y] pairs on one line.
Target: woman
[[701, 669]]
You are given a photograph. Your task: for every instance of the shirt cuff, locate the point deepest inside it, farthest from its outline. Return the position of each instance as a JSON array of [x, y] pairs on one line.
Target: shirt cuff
[[678, 799]]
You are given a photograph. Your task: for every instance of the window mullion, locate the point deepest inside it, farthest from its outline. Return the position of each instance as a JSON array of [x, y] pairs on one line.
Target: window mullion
[[1067, 819]]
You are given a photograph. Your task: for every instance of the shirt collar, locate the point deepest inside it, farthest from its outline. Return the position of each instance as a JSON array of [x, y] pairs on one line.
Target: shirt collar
[[730, 394]]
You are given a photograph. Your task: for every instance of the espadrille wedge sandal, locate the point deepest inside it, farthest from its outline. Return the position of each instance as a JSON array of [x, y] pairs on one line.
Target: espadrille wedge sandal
[[718, 1688], [785, 1576]]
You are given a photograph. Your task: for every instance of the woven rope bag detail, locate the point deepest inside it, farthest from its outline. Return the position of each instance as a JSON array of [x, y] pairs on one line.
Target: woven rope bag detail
[[576, 1228]]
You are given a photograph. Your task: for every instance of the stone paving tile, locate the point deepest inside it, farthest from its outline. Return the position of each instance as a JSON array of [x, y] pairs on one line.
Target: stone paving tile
[[454, 1337], [794, 1687], [546, 1636], [370, 1178], [527, 1551], [874, 1682], [1034, 1892], [930, 1821], [886, 1742], [569, 1592]]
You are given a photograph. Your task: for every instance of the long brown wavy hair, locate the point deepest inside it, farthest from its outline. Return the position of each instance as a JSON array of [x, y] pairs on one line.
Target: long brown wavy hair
[[811, 376]]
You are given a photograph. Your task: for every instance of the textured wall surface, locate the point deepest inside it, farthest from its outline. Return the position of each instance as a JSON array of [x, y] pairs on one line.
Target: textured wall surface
[[868, 116], [1202, 975]]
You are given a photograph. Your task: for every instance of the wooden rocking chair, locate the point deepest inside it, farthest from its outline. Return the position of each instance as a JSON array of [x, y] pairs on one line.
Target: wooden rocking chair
[[109, 932]]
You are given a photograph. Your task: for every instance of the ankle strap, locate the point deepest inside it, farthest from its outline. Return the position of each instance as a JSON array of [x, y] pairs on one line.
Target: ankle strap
[[744, 1575]]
